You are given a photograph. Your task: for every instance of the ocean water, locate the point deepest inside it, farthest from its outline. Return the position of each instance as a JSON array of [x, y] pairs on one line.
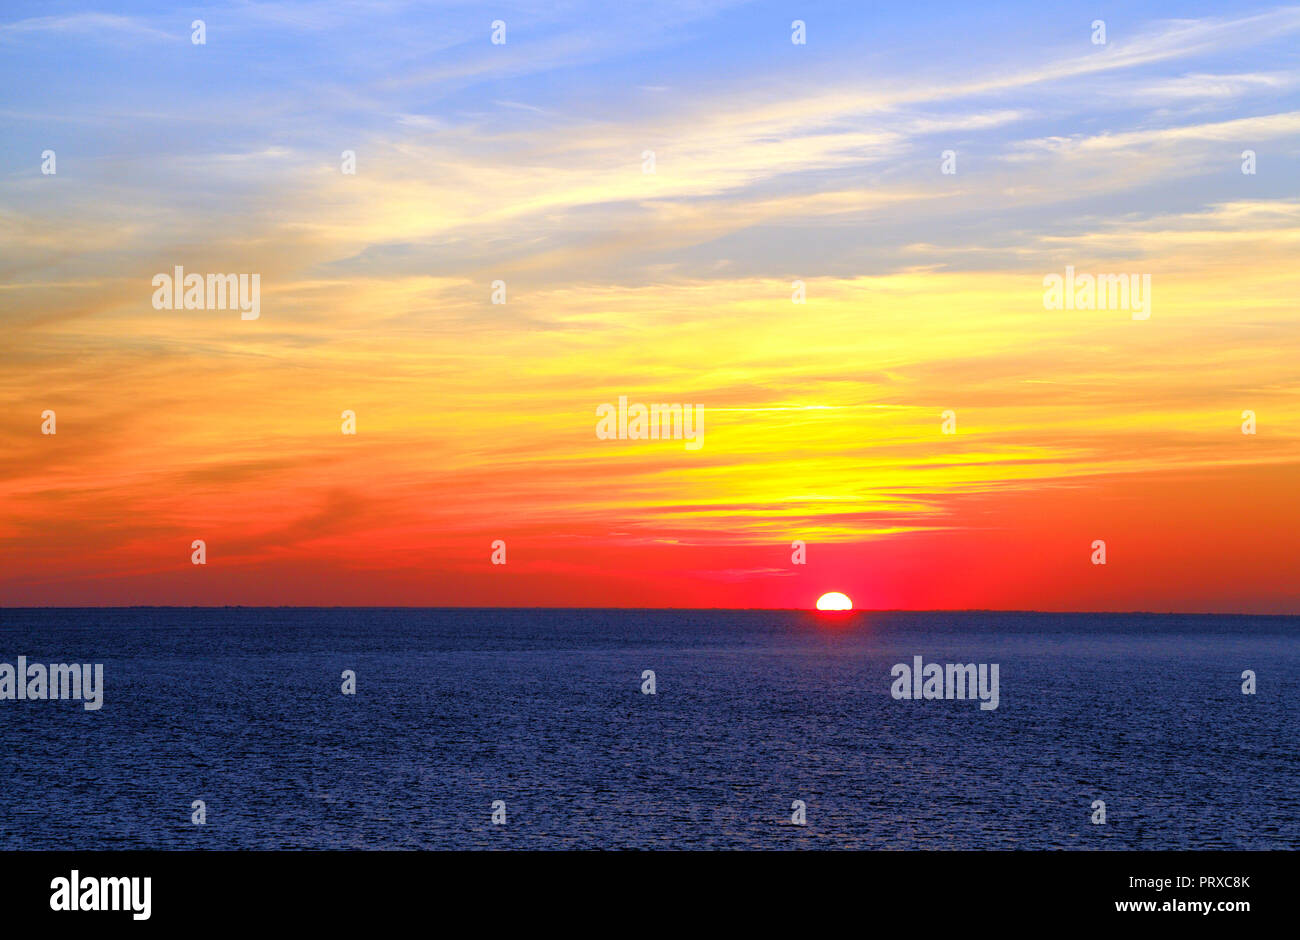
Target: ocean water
[[454, 709]]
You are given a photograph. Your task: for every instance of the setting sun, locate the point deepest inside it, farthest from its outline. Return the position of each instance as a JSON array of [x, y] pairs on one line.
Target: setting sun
[[834, 601]]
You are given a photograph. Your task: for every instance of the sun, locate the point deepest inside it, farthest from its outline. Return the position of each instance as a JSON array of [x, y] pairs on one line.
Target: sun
[[834, 601]]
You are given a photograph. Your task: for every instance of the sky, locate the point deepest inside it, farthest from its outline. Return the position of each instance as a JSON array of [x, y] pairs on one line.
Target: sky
[[649, 181]]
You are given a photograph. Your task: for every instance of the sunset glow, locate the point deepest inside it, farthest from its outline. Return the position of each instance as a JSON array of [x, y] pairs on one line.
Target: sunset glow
[[794, 260]]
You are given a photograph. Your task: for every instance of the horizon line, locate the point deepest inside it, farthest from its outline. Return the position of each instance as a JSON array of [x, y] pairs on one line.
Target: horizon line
[[813, 610]]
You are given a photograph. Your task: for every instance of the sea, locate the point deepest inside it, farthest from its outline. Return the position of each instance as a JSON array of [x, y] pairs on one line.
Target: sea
[[230, 728]]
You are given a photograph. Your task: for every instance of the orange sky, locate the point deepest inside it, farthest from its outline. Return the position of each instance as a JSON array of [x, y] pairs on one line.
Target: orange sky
[[1067, 431]]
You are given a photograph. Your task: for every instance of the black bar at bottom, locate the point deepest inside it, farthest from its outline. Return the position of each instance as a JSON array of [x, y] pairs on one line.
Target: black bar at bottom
[[364, 889]]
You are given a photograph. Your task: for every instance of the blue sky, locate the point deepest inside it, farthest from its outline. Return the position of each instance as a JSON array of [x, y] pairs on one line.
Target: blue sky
[[281, 88]]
